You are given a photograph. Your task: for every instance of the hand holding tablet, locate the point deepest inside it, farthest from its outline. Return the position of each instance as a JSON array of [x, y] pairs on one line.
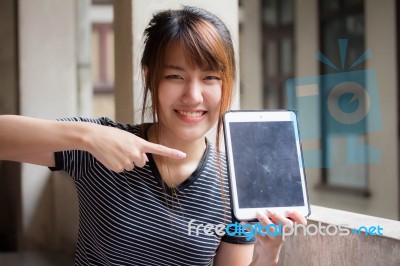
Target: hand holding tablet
[[265, 163]]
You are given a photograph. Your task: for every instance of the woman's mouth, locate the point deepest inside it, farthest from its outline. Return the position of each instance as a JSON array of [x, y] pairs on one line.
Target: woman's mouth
[[191, 116]]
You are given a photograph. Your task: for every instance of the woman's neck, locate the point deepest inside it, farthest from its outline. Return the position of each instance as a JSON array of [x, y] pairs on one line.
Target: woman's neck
[[193, 148], [175, 171]]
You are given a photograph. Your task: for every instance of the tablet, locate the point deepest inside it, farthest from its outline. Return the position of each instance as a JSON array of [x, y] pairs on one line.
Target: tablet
[[265, 163]]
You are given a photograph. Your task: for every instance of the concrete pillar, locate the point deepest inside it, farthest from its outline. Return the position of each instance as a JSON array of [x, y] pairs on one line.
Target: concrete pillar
[[9, 171], [123, 44], [306, 39], [47, 78], [251, 60], [130, 19], [83, 43], [384, 176]]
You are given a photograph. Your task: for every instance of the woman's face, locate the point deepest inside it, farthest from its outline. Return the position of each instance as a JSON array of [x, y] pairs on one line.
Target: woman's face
[[189, 97]]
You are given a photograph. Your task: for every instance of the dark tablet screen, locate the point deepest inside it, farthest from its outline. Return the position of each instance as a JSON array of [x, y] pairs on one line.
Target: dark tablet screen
[[266, 163]]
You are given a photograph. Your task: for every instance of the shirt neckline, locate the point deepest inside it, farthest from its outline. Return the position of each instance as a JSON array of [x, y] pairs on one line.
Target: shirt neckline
[[188, 181]]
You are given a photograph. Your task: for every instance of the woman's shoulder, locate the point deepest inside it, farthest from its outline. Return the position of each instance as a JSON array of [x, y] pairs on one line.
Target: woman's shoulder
[[137, 129], [216, 157], [213, 151]]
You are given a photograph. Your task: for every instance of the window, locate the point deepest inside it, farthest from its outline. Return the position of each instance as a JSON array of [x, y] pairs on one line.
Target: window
[[278, 49], [103, 57], [341, 19], [102, 65]]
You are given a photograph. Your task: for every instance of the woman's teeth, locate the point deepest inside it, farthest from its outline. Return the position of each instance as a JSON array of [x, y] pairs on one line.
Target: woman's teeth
[[191, 114]]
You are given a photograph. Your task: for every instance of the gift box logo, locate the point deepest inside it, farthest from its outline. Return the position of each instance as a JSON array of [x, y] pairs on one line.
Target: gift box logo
[[347, 102]]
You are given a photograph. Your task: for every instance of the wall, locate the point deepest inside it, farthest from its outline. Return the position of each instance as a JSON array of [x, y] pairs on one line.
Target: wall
[[251, 84], [47, 77], [345, 250], [9, 171], [384, 177]]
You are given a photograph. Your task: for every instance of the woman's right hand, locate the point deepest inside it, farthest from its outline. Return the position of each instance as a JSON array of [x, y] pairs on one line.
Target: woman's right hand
[[32, 140], [120, 150]]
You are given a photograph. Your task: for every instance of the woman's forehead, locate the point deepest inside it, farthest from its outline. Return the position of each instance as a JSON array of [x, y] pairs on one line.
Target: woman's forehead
[[178, 55]]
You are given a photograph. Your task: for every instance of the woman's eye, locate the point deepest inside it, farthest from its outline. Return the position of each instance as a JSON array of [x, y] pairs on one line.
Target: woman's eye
[[173, 77], [212, 78]]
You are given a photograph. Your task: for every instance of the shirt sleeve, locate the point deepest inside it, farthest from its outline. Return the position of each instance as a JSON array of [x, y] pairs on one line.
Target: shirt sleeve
[[77, 162], [234, 238]]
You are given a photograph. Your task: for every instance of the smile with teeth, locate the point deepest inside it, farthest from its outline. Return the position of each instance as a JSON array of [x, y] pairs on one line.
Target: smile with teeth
[[191, 114]]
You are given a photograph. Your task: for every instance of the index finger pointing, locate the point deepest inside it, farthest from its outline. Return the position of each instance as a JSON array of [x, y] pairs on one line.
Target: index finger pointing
[[164, 151]]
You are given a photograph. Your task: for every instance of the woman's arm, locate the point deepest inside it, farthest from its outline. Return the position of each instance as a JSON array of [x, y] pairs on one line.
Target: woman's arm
[[244, 255], [233, 254], [34, 140], [267, 248]]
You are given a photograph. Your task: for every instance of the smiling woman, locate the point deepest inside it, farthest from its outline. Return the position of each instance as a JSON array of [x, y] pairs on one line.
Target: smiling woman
[[187, 94], [201, 42], [140, 185]]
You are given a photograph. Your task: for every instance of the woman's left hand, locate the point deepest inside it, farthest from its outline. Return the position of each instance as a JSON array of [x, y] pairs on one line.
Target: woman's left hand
[[269, 244]]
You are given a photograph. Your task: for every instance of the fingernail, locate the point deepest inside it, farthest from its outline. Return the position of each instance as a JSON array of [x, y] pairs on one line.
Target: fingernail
[[270, 212], [180, 155], [259, 215]]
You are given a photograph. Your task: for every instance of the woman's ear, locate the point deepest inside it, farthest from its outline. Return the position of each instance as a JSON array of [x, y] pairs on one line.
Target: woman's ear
[[145, 68]]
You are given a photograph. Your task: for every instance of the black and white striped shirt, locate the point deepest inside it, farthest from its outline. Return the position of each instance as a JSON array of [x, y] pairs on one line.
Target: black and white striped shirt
[[130, 218]]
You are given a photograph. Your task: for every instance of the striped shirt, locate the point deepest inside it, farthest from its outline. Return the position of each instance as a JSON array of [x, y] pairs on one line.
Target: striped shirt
[[133, 218]]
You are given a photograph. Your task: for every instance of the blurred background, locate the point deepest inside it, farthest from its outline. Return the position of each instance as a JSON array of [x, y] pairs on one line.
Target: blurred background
[[80, 58]]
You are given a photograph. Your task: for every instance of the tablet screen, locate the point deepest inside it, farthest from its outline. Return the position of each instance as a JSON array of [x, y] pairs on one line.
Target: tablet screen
[[266, 164]]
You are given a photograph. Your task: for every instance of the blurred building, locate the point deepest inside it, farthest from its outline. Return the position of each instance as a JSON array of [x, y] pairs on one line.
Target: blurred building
[[351, 166]]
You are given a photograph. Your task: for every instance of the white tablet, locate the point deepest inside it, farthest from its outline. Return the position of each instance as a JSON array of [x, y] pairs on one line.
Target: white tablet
[[265, 163]]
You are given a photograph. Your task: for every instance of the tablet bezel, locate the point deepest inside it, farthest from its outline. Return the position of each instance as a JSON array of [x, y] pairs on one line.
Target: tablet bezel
[[249, 214]]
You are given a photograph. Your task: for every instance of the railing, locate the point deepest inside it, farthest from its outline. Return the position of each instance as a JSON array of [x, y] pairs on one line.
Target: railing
[[335, 237]]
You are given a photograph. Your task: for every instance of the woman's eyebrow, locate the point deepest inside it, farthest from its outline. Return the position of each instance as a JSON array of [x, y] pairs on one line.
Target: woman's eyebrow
[[174, 67], [179, 68]]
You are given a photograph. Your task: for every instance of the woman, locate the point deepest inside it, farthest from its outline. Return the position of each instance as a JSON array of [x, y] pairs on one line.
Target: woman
[[150, 194]]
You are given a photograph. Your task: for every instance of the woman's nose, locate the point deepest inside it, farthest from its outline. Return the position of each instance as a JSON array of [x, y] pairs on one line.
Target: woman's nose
[[193, 93]]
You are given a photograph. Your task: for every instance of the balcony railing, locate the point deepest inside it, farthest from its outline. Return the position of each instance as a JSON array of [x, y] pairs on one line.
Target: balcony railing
[[334, 238], [347, 238]]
